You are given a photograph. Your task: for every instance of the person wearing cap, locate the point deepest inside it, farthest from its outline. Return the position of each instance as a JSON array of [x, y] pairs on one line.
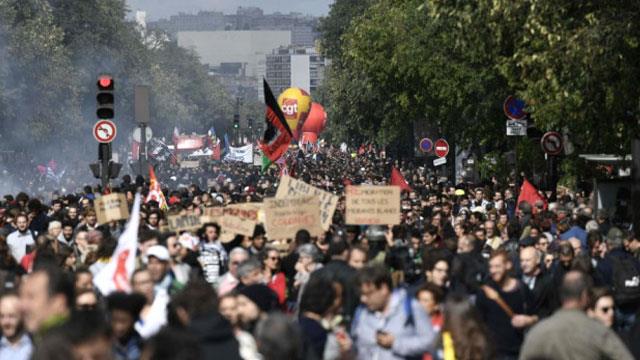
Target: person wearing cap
[[159, 266], [254, 303]]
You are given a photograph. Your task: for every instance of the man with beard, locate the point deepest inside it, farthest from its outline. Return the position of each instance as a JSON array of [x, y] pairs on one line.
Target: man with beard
[[22, 238], [505, 303], [66, 236], [15, 343]]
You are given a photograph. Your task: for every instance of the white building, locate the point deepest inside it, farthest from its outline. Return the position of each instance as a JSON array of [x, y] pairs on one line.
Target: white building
[[294, 67]]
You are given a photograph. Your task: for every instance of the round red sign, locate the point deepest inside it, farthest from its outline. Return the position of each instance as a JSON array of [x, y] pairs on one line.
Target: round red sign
[[441, 148], [104, 131]]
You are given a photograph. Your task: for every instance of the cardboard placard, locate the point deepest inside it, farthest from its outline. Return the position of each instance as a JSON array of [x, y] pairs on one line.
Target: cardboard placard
[[240, 218], [372, 205], [184, 222], [285, 216], [212, 214], [190, 164], [290, 187], [111, 207]]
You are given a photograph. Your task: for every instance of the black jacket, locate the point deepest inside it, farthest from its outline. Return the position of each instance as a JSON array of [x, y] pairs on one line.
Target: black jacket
[[215, 337]]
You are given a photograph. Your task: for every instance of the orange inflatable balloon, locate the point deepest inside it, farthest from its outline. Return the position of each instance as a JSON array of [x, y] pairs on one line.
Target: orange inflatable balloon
[[316, 121], [295, 104]]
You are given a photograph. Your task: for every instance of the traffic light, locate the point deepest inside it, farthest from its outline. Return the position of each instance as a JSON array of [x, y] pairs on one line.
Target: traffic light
[[236, 121], [104, 97], [250, 123]]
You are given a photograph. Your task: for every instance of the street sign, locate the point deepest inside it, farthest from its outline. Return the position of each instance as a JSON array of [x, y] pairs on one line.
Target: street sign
[[440, 161], [516, 127], [104, 131], [136, 134], [552, 143], [514, 108], [441, 148], [426, 145]]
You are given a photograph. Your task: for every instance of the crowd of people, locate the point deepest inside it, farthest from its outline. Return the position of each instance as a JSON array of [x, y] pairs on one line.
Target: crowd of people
[[469, 273]]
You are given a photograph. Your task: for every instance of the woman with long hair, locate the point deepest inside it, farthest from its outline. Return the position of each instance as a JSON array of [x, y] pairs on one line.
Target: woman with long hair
[[464, 336]]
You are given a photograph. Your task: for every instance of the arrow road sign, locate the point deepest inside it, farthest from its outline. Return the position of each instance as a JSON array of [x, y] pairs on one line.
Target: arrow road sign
[[552, 143], [104, 131]]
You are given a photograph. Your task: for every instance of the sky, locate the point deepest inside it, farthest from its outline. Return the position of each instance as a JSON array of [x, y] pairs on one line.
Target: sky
[[157, 9]]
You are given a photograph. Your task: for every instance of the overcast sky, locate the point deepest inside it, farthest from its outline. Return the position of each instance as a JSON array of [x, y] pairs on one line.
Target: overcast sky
[[157, 9]]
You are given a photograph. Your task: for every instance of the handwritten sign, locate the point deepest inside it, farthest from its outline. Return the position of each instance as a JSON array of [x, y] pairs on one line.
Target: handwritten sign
[[240, 218], [184, 222], [373, 205], [290, 187], [112, 207], [285, 216], [212, 214]]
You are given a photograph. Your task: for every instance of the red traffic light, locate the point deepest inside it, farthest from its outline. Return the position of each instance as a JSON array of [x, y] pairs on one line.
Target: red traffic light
[[105, 81]]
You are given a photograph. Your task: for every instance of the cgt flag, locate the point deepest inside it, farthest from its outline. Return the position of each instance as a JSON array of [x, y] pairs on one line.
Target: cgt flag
[[278, 135], [155, 191], [116, 275]]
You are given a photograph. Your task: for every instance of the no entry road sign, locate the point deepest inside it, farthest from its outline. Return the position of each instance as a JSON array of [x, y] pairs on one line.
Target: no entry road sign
[[441, 148]]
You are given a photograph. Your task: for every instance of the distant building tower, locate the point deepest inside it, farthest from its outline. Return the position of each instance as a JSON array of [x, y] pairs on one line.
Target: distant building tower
[[295, 67]]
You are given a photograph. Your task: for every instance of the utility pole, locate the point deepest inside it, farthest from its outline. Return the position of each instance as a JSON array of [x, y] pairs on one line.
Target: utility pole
[[142, 117]]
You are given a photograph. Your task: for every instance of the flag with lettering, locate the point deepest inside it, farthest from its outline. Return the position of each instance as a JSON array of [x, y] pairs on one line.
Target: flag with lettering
[[116, 275]]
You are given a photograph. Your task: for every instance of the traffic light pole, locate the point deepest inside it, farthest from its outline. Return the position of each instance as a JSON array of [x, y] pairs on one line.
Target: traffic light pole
[[104, 153]]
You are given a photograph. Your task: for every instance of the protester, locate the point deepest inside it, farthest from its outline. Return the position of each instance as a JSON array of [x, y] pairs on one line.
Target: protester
[[15, 343], [230, 279], [153, 315], [389, 324], [569, 333], [467, 269], [124, 312]]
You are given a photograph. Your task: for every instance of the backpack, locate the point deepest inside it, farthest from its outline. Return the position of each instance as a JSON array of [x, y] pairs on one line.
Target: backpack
[[626, 280]]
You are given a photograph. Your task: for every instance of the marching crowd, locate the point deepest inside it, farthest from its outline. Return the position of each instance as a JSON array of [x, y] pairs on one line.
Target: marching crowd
[[470, 273]]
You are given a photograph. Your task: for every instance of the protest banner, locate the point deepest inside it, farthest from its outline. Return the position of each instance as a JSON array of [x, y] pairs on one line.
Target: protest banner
[[179, 223], [240, 154], [285, 216], [290, 187], [112, 207], [240, 218], [372, 205], [190, 164], [212, 214]]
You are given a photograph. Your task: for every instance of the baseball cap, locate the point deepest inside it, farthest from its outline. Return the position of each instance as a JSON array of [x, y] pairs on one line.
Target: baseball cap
[[159, 252]]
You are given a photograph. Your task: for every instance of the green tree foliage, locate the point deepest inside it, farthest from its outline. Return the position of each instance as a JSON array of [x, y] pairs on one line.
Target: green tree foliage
[[449, 65], [52, 51]]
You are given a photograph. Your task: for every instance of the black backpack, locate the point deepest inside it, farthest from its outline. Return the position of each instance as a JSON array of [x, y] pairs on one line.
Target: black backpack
[[626, 280]]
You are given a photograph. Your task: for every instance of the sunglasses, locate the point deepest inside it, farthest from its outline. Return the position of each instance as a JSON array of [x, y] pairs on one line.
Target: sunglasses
[[274, 258], [606, 309]]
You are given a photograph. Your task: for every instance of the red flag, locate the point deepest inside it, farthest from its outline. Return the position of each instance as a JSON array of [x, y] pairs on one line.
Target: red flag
[[155, 191], [398, 180], [216, 151], [277, 136], [530, 194]]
